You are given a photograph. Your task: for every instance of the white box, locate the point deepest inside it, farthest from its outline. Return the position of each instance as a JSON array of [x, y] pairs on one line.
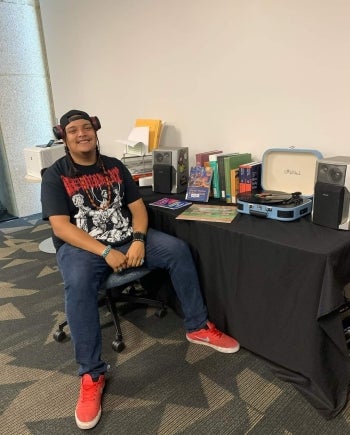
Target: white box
[[38, 158]]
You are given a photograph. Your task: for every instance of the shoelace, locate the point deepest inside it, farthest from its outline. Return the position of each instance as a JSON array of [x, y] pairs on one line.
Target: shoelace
[[89, 392], [215, 331]]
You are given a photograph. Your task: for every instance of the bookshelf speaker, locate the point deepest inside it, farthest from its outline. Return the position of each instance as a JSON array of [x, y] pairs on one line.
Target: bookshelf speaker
[[331, 206], [162, 179], [170, 170]]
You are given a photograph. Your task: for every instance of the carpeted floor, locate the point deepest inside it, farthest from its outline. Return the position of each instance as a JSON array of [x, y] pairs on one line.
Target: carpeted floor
[[160, 384]]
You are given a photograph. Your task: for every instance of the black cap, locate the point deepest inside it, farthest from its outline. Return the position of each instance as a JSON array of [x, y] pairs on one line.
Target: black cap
[[73, 115], [60, 130]]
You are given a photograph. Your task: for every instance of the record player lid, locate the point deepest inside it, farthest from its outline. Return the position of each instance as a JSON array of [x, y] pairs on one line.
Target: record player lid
[[289, 170]]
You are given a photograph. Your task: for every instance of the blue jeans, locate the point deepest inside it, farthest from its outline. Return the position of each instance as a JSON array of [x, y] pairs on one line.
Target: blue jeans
[[84, 272]]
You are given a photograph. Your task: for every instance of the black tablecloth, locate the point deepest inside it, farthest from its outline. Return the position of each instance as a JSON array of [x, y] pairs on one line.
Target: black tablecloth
[[277, 287]]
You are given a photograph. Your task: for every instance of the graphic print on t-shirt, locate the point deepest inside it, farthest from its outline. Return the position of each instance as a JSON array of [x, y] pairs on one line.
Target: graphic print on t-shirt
[[99, 204]]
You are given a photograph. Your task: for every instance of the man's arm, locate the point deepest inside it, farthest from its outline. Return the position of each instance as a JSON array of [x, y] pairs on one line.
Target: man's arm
[[69, 233], [136, 252], [139, 216]]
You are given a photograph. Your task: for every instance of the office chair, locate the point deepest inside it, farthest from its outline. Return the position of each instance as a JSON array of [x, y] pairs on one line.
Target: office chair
[[345, 315], [114, 291]]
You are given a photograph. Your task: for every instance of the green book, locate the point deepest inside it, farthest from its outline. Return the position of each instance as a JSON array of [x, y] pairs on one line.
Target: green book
[[221, 172], [232, 162], [213, 162]]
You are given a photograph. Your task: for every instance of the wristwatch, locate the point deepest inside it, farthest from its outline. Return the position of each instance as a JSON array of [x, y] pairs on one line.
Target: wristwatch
[[139, 237]]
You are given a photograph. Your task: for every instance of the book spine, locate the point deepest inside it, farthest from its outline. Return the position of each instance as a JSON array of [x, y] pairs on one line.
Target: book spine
[[233, 162], [248, 178], [221, 172], [234, 179], [256, 178], [215, 178], [235, 159], [239, 159], [241, 178], [227, 180]]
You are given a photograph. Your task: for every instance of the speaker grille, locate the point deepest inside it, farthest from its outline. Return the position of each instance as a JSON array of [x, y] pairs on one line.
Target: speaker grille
[[162, 157], [162, 179], [328, 204], [331, 173]]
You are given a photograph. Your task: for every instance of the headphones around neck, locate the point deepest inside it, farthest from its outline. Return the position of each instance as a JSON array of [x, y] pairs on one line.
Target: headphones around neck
[[60, 132]]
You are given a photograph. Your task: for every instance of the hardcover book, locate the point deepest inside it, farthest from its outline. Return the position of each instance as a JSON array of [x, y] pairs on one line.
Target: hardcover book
[[233, 162], [250, 177], [226, 162], [202, 158], [199, 182], [213, 163], [234, 185]]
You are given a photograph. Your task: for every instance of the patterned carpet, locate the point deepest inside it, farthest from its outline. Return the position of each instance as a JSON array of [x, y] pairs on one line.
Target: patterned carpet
[[160, 384]]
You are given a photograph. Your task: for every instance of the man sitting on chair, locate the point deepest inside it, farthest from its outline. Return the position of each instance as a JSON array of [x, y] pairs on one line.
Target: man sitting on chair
[[110, 200]]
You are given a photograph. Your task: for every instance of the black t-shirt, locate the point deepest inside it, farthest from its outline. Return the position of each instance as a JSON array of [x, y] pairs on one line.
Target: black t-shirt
[[96, 202]]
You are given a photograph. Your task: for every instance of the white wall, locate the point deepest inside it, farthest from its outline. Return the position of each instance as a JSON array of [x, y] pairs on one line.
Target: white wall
[[25, 110], [242, 75]]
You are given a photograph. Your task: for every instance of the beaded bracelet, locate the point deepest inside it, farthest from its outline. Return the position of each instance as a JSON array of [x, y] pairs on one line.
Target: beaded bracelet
[[106, 251]]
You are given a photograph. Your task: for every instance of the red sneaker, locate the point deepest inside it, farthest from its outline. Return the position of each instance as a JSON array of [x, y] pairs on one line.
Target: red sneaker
[[88, 409], [212, 337]]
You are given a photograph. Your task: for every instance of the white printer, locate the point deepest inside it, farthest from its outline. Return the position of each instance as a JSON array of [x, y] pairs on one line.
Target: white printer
[[41, 157]]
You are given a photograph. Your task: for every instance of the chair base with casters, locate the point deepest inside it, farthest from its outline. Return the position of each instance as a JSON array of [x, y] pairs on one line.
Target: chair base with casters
[[113, 291]]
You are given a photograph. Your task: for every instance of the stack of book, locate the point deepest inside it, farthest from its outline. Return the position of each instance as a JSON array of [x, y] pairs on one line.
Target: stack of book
[[222, 165], [203, 159], [224, 173], [250, 177]]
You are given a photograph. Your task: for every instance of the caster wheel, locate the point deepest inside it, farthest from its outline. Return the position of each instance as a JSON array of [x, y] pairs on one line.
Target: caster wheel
[[118, 346], [59, 335], [161, 313]]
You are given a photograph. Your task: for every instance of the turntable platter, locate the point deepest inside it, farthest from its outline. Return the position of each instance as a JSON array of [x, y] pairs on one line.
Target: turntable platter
[[270, 197]]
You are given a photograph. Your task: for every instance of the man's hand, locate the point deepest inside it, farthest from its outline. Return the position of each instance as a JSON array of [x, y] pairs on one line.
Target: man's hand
[[116, 260], [136, 254]]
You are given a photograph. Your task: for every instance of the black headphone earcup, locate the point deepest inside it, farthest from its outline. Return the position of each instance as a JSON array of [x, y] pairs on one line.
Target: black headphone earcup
[[58, 131], [95, 122]]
